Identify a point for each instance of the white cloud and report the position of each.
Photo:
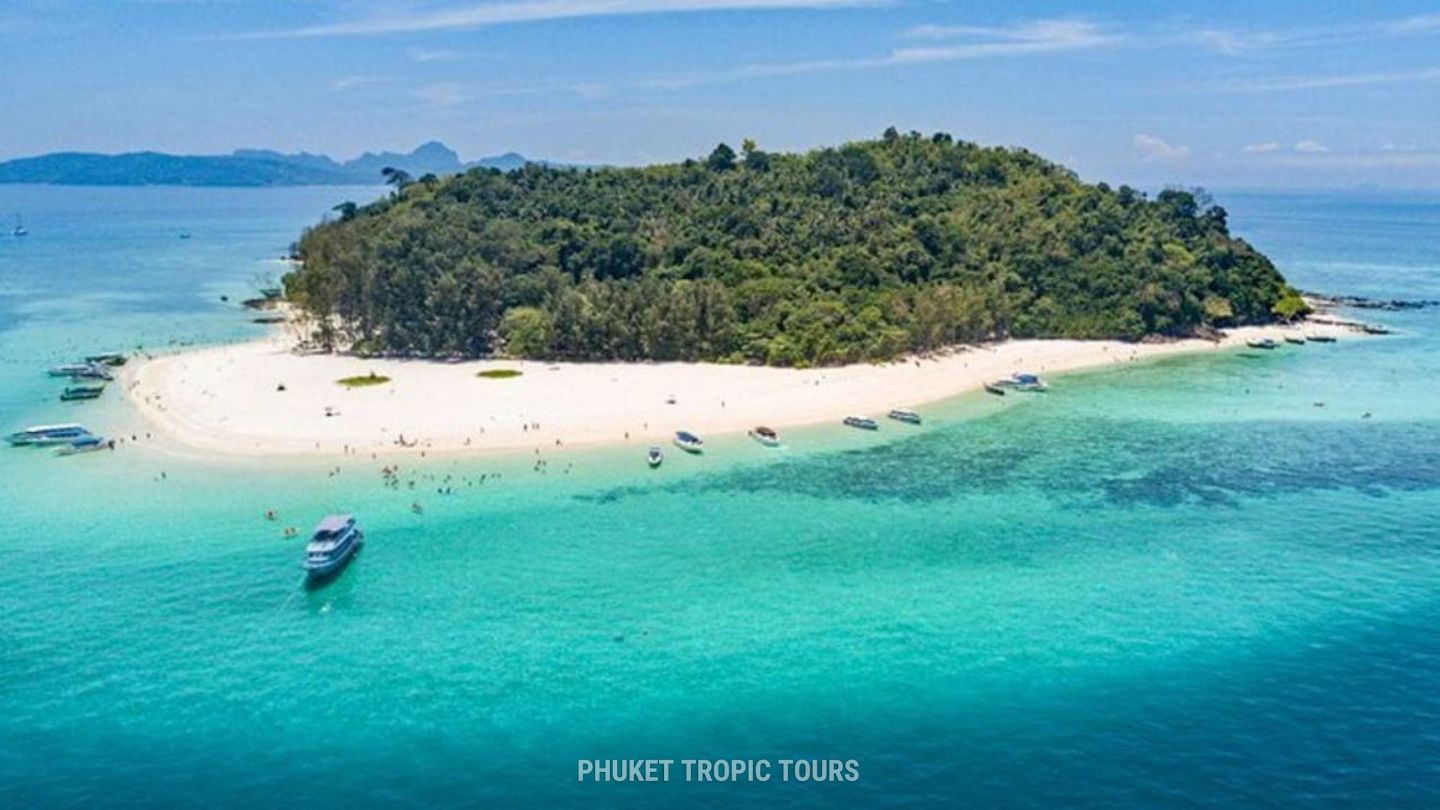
(351, 82)
(1036, 37)
(429, 55)
(1153, 148)
(1261, 148)
(1240, 42)
(523, 11)
(1288, 83)
(443, 94)
(1309, 146)
(1039, 36)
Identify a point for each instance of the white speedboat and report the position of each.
(905, 415)
(689, 442)
(41, 435)
(766, 436)
(654, 457)
(862, 422)
(335, 541)
(82, 371)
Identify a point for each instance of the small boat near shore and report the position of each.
(992, 388)
(1022, 381)
(1321, 338)
(905, 415)
(82, 371)
(861, 422)
(655, 457)
(41, 435)
(86, 444)
(335, 541)
(1375, 329)
(766, 436)
(1262, 343)
(1296, 341)
(81, 392)
(107, 358)
(689, 442)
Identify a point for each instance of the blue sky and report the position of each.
(1221, 93)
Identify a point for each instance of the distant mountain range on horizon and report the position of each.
(243, 167)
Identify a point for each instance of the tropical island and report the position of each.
(859, 253)
(571, 307)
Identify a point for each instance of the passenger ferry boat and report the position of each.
(862, 422)
(40, 435)
(335, 541)
(654, 457)
(905, 415)
(766, 436)
(689, 442)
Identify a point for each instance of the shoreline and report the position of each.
(227, 399)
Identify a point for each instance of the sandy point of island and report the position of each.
(263, 398)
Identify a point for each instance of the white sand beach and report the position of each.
(228, 399)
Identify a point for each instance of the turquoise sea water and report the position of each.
(1180, 583)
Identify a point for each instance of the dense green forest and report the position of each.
(861, 252)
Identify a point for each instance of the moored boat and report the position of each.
(86, 444)
(1295, 340)
(47, 434)
(689, 442)
(1262, 343)
(335, 541)
(1375, 329)
(107, 358)
(905, 415)
(1021, 381)
(862, 422)
(1320, 338)
(82, 371)
(766, 436)
(654, 457)
(76, 392)
(992, 388)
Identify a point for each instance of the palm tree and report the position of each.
(399, 178)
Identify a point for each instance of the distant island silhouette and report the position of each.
(243, 167)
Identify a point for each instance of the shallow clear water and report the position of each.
(1183, 582)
